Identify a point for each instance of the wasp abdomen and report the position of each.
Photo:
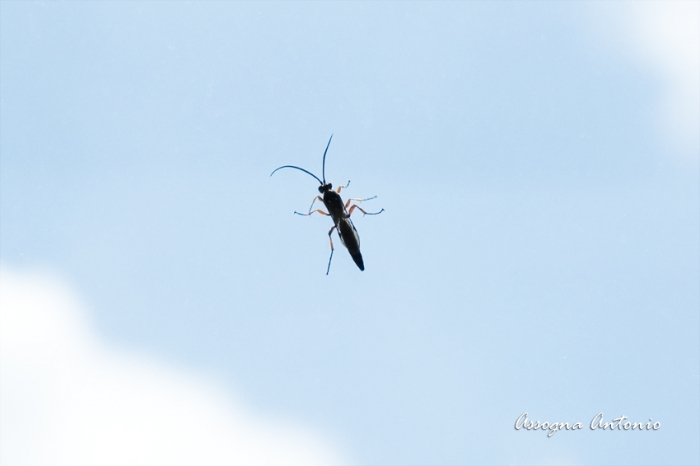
(357, 257)
(351, 240)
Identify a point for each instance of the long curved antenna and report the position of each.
(292, 166)
(324, 159)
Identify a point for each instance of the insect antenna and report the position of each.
(324, 159)
(292, 166)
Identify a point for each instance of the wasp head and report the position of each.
(325, 187)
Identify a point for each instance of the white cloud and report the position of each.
(665, 37)
(67, 398)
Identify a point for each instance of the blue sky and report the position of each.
(538, 164)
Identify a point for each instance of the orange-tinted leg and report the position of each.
(355, 206)
(342, 187)
(347, 203)
(317, 198)
(317, 210)
(332, 249)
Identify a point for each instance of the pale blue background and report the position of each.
(539, 251)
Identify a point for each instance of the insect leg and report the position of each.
(347, 203)
(317, 210)
(317, 198)
(355, 206)
(331, 240)
(343, 187)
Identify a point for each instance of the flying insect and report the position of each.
(338, 211)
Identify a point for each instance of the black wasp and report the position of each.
(338, 211)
